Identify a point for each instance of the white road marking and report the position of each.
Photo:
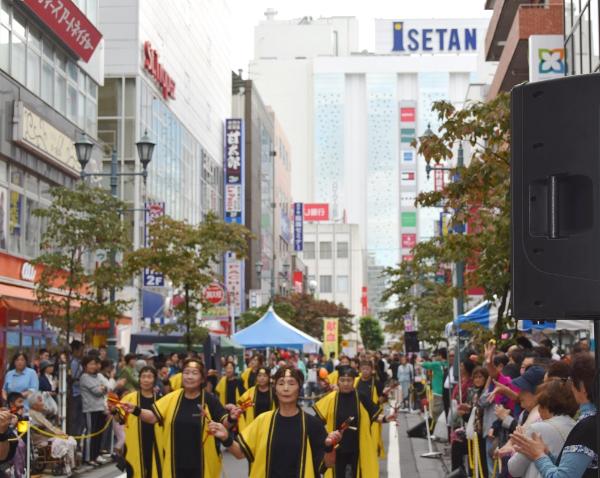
(393, 457)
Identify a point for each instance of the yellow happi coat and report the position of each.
(133, 438)
(333, 377)
(326, 410)
(166, 410)
(249, 415)
(376, 427)
(245, 376)
(175, 381)
(221, 391)
(255, 442)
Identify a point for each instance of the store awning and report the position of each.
(18, 298)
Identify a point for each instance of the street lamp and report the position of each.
(83, 150)
(312, 286)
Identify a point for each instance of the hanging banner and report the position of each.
(298, 227)
(153, 211)
(330, 336)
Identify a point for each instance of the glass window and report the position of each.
(61, 61)
(91, 117)
(5, 13)
(48, 50)
(31, 233)
(16, 176)
(31, 184)
(92, 11)
(72, 99)
(129, 96)
(342, 284)
(72, 71)
(342, 250)
(18, 24)
(33, 71)
(14, 221)
(309, 250)
(325, 284)
(81, 110)
(45, 190)
(35, 38)
(18, 59)
(4, 49)
(60, 93)
(325, 250)
(109, 102)
(47, 82)
(92, 88)
(3, 171)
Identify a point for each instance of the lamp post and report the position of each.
(312, 286)
(273, 154)
(258, 266)
(83, 150)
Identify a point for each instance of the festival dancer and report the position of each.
(249, 375)
(368, 385)
(286, 441)
(356, 455)
(230, 388)
(184, 444)
(257, 399)
(139, 436)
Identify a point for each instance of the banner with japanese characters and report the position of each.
(330, 336)
(153, 210)
(233, 167)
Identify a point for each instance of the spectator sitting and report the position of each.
(62, 445)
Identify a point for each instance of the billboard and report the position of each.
(409, 240)
(153, 210)
(330, 336)
(316, 212)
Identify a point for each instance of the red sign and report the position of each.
(407, 115)
(298, 280)
(438, 180)
(409, 241)
(316, 212)
(158, 72)
(364, 301)
(69, 24)
(407, 257)
(214, 293)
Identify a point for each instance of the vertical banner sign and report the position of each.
(330, 336)
(298, 226)
(233, 168)
(154, 210)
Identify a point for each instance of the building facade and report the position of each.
(49, 78)
(167, 74)
(582, 43)
(363, 111)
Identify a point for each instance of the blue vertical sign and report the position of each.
(153, 210)
(233, 172)
(298, 226)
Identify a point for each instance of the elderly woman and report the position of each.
(579, 456)
(183, 442)
(20, 378)
(62, 445)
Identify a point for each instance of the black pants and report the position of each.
(346, 465)
(459, 451)
(187, 472)
(75, 419)
(94, 421)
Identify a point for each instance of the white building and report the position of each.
(361, 112)
(167, 73)
(334, 257)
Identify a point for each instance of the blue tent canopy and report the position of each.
(272, 331)
(482, 315)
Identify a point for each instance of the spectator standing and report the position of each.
(75, 414)
(93, 394)
(405, 376)
(437, 381)
(394, 364)
(20, 378)
(130, 374)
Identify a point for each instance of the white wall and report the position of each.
(191, 37)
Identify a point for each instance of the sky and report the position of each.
(248, 13)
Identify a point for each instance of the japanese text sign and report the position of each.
(234, 171)
(153, 211)
(316, 212)
(330, 336)
(298, 226)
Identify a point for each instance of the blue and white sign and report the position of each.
(153, 211)
(429, 36)
(298, 226)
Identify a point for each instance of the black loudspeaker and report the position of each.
(555, 198)
(418, 431)
(411, 342)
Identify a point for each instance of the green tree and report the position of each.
(478, 196)
(82, 225)
(187, 255)
(304, 312)
(371, 333)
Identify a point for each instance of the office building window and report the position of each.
(325, 250)
(309, 250)
(581, 36)
(342, 284)
(342, 250)
(325, 286)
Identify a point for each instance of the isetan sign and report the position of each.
(158, 72)
(69, 24)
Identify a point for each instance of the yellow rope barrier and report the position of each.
(78, 437)
(476, 450)
(496, 465)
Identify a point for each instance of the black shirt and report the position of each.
(188, 429)
(262, 403)
(252, 378)
(348, 407)
(286, 446)
(582, 439)
(366, 387)
(231, 386)
(147, 436)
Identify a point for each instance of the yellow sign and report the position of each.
(330, 336)
(39, 136)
